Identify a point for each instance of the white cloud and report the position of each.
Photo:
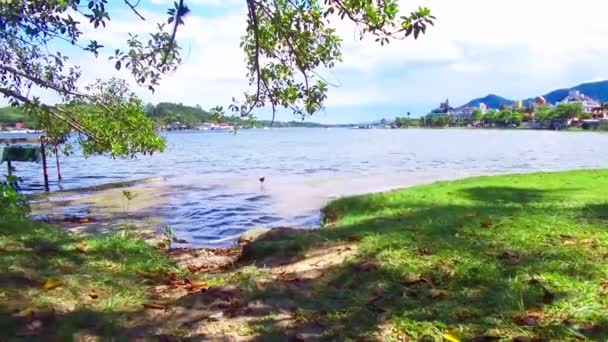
(515, 48)
(212, 71)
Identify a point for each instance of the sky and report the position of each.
(513, 48)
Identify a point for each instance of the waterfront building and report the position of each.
(574, 96)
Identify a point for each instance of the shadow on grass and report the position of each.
(480, 265)
(514, 195)
(53, 284)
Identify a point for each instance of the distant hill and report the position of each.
(11, 115)
(595, 90)
(168, 112)
(293, 123)
(492, 101)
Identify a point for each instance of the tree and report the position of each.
(543, 113)
(286, 42)
(517, 117)
(398, 122)
(476, 115)
(567, 111)
(32, 36)
(490, 117)
(504, 117)
(149, 109)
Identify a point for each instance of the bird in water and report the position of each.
(262, 179)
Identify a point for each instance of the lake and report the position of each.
(210, 180)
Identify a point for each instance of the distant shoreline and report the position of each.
(22, 131)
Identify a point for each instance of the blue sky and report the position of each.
(515, 48)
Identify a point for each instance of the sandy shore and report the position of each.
(104, 209)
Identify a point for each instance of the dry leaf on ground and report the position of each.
(604, 288)
(438, 294)
(154, 306)
(510, 257)
(530, 318)
(422, 251)
(52, 283)
(487, 223)
(450, 337)
(82, 247)
(366, 266)
(416, 281)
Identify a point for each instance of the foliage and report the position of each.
(503, 117)
(167, 113)
(115, 113)
(567, 111)
(490, 117)
(9, 116)
(31, 61)
(433, 120)
(286, 42)
(405, 121)
(517, 117)
(543, 113)
(12, 203)
(563, 111)
(476, 115)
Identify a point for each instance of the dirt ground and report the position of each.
(258, 302)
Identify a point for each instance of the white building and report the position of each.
(575, 96)
(483, 107)
(463, 113)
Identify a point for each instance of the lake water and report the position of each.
(210, 180)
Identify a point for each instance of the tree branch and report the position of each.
(176, 21)
(134, 9)
(41, 82)
(251, 6)
(51, 110)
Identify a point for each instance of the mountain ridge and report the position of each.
(596, 90)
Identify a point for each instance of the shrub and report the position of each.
(12, 202)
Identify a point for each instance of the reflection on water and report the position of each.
(212, 194)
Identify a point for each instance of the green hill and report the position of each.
(167, 112)
(164, 113)
(595, 90)
(11, 115)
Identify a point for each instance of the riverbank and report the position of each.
(512, 257)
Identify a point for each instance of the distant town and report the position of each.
(574, 110)
(560, 109)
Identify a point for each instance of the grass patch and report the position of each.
(516, 257)
(498, 258)
(74, 284)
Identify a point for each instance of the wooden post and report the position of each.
(10, 168)
(57, 161)
(46, 176)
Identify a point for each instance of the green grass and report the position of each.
(108, 266)
(504, 256)
(493, 257)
